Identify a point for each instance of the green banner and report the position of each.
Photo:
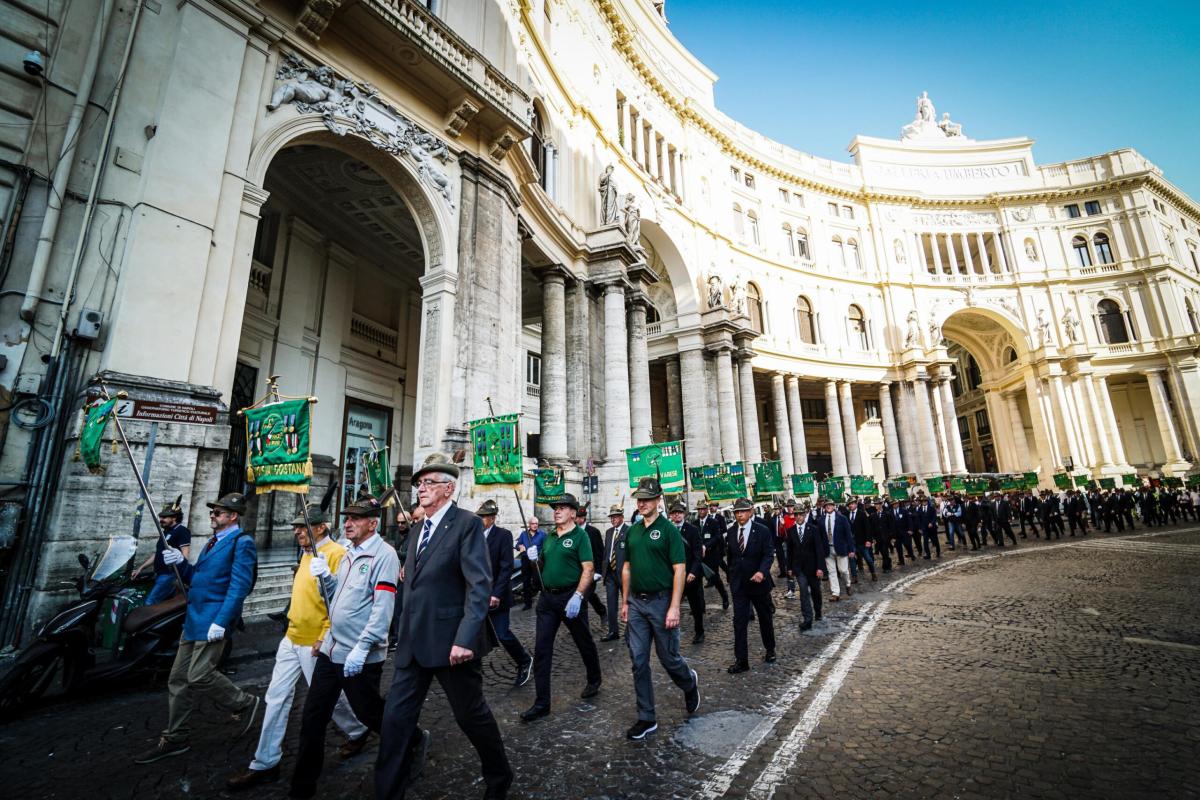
(935, 485)
(375, 465)
(898, 490)
(804, 484)
(699, 482)
(1108, 483)
(834, 489)
(95, 421)
(278, 446)
(1011, 484)
(549, 483)
(1131, 480)
(1082, 480)
(978, 486)
(1030, 480)
(958, 484)
(496, 443)
(863, 485)
(726, 481)
(1194, 480)
(1062, 480)
(663, 461)
(1173, 483)
(768, 477)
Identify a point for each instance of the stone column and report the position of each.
(925, 433)
(1099, 424)
(796, 425)
(674, 407)
(639, 374)
(833, 419)
(737, 393)
(1111, 417)
(935, 241)
(696, 399)
(596, 326)
(1166, 422)
(751, 442)
(891, 441)
(850, 423)
(1085, 428)
(616, 374)
(1020, 443)
(985, 266)
(1058, 406)
(783, 429)
(554, 368)
(731, 446)
(941, 443)
(953, 439)
(579, 372)
(1043, 423)
(716, 447)
(907, 426)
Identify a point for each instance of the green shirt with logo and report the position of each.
(652, 553)
(562, 557)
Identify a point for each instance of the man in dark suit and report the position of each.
(970, 520)
(924, 516)
(693, 588)
(500, 553)
(864, 537)
(896, 521)
(442, 635)
(1002, 513)
(712, 532)
(610, 566)
(806, 562)
(1030, 506)
(1075, 508)
(1052, 514)
(751, 551)
(581, 519)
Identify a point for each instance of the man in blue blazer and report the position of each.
(751, 550)
(500, 553)
(840, 549)
(218, 584)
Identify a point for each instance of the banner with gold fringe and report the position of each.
(278, 446)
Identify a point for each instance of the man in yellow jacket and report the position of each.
(308, 622)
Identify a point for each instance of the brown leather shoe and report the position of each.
(252, 777)
(353, 747)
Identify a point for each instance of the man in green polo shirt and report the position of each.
(653, 581)
(567, 569)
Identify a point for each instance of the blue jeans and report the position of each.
(164, 589)
(648, 620)
(954, 526)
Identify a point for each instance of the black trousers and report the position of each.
(716, 565)
(531, 582)
(973, 533)
(1054, 523)
(814, 590)
(551, 613)
(593, 599)
(904, 541)
(328, 682)
(694, 592)
(1128, 514)
(1001, 530)
(463, 685)
(765, 609)
(1076, 520)
(928, 535)
(1028, 519)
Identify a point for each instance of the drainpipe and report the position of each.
(66, 162)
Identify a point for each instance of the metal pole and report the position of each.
(517, 497)
(149, 462)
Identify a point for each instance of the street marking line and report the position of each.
(785, 757)
(1161, 643)
(719, 783)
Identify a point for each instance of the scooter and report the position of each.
(105, 636)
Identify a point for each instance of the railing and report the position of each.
(533, 390)
(260, 277)
(374, 333)
(1122, 348)
(1099, 269)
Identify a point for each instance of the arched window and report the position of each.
(1010, 356)
(739, 224)
(791, 245)
(1103, 248)
(1082, 255)
(858, 328)
(1111, 322)
(839, 253)
(537, 144)
(652, 314)
(852, 255)
(1191, 313)
(804, 320)
(802, 243)
(974, 377)
(752, 219)
(754, 307)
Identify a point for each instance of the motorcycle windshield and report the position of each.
(120, 550)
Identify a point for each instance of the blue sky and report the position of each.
(1078, 78)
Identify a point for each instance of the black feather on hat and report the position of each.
(173, 509)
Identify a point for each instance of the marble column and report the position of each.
(1020, 443)
(833, 419)
(1099, 425)
(953, 438)
(891, 440)
(850, 424)
(907, 423)
(1058, 406)
(716, 447)
(639, 375)
(697, 397)
(674, 407)
(616, 375)
(596, 325)
(554, 368)
(737, 394)
(796, 425)
(579, 369)
(1166, 421)
(939, 426)
(731, 446)
(1110, 416)
(1081, 418)
(925, 433)
(1043, 436)
(751, 442)
(783, 429)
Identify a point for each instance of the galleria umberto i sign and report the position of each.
(421, 213)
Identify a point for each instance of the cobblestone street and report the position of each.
(1068, 669)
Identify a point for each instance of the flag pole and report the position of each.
(517, 497)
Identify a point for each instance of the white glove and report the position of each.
(573, 605)
(318, 567)
(354, 661)
(531, 552)
(215, 633)
(172, 556)
(596, 577)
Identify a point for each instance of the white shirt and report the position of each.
(487, 531)
(434, 521)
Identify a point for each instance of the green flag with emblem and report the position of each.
(278, 446)
(834, 488)
(898, 490)
(663, 461)
(768, 477)
(496, 448)
(1062, 480)
(726, 481)
(804, 484)
(936, 485)
(375, 465)
(699, 482)
(96, 417)
(863, 485)
(1131, 480)
(550, 484)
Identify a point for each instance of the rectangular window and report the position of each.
(833, 209)
(1092, 207)
(799, 200)
(749, 181)
(812, 409)
(1072, 210)
(265, 238)
(871, 409)
(847, 212)
(981, 422)
(784, 195)
(736, 173)
(964, 429)
(533, 369)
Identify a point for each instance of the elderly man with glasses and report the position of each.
(442, 635)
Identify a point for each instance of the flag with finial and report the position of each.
(96, 417)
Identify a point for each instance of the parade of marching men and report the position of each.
(446, 398)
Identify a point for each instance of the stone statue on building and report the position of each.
(1030, 250)
(737, 296)
(899, 247)
(632, 223)
(305, 87)
(1045, 337)
(925, 124)
(935, 333)
(608, 197)
(949, 128)
(1070, 324)
(913, 337)
(716, 292)
(925, 110)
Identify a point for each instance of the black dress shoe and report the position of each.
(523, 673)
(806, 626)
(738, 666)
(534, 713)
(252, 777)
(769, 657)
(590, 691)
(610, 637)
(698, 639)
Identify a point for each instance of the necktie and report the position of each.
(211, 543)
(612, 554)
(425, 533)
(742, 539)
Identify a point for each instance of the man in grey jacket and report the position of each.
(361, 597)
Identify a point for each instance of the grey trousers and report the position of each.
(647, 621)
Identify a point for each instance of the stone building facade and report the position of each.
(417, 211)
